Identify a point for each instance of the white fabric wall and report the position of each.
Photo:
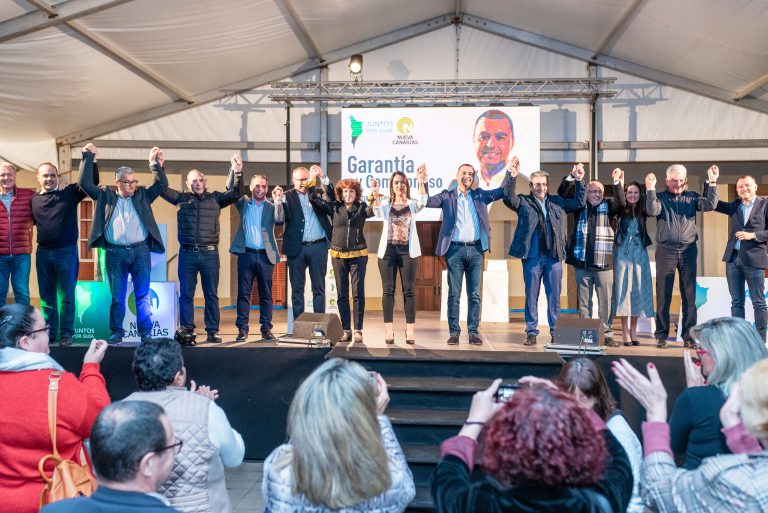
(642, 111)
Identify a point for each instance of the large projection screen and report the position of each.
(378, 141)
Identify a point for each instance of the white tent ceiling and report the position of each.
(79, 69)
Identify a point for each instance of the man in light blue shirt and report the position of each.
(256, 250)
(464, 237)
(746, 253)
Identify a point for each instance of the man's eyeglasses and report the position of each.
(129, 182)
(47, 328)
(176, 447)
(300, 179)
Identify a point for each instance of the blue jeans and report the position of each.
(120, 262)
(206, 262)
(17, 268)
(57, 277)
(462, 260)
(250, 265)
(550, 271)
(737, 275)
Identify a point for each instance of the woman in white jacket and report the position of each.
(399, 246)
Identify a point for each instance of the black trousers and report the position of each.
(669, 260)
(315, 258)
(343, 270)
(398, 257)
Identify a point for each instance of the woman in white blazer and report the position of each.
(399, 247)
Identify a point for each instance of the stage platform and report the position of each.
(431, 334)
(257, 379)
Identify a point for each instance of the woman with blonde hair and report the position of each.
(342, 454)
(727, 482)
(399, 247)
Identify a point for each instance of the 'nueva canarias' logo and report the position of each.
(405, 125)
(154, 302)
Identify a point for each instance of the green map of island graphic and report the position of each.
(357, 129)
(701, 295)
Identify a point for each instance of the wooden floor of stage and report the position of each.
(431, 334)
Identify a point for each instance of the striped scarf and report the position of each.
(603, 246)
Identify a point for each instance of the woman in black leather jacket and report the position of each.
(349, 252)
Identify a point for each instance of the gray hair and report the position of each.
(735, 346)
(8, 165)
(122, 171)
(539, 173)
(677, 169)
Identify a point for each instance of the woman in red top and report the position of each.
(25, 367)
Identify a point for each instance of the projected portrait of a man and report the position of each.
(494, 138)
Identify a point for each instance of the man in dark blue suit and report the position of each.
(539, 241)
(746, 254)
(464, 236)
(306, 238)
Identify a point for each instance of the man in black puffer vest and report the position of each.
(198, 220)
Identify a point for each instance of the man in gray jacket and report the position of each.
(676, 250)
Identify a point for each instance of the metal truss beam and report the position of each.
(49, 16)
(631, 68)
(432, 91)
(206, 145)
(289, 71)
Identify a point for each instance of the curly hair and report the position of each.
(155, 363)
(543, 435)
(348, 183)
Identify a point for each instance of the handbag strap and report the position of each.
(53, 391)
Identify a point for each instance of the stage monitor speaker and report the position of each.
(330, 323)
(573, 331)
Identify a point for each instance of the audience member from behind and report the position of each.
(726, 348)
(25, 371)
(210, 444)
(343, 455)
(587, 383)
(133, 449)
(542, 452)
(727, 482)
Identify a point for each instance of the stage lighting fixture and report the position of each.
(356, 67)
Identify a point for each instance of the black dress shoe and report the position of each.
(115, 340)
(242, 335)
(453, 340)
(530, 340)
(475, 339)
(65, 342)
(213, 338)
(267, 335)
